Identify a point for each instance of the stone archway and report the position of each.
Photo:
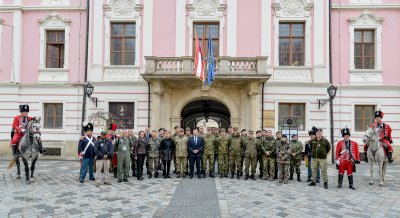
(205, 94)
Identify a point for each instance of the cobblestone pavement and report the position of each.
(56, 192)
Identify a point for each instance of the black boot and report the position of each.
(325, 185)
(212, 175)
(238, 175)
(246, 177)
(390, 157)
(14, 151)
(298, 177)
(115, 172)
(156, 175)
(203, 172)
(340, 181)
(253, 177)
(232, 175)
(261, 175)
(291, 176)
(351, 182)
(312, 184)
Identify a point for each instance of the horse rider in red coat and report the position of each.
(19, 127)
(347, 155)
(385, 135)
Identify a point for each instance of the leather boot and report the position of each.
(246, 177)
(291, 176)
(238, 175)
(232, 175)
(340, 181)
(212, 175)
(351, 182)
(226, 175)
(298, 177)
(14, 151)
(390, 157)
(115, 172)
(253, 177)
(325, 185)
(203, 172)
(156, 175)
(261, 175)
(312, 184)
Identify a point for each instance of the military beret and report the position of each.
(222, 130)
(284, 136)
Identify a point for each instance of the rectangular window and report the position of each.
(125, 112)
(363, 116)
(296, 111)
(55, 41)
(291, 44)
(123, 43)
(364, 49)
(53, 115)
(202, 30)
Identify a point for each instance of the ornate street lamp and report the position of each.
(89, 91)
(331, 93)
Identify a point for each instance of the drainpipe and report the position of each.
(86, 64)
(148, 108)
(331, 81)
(262, 106)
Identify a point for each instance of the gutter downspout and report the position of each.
(86, 64)
(148, 108)
(262, 106)
(331, 81)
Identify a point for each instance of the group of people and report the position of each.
(278, 158)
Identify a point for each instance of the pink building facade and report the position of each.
(272, 63)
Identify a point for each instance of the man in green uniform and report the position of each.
(208, 153)
(235, 153)
(259, 153)
(295, 159)
(320, 148)
(283, 152)
(269, 148)
(223, 146)
(123, 146)
(216, 134)
(153, 154)
(251, 145)
(277, 142)
(181, 153)
(243, 135)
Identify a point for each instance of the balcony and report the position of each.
(235, 70)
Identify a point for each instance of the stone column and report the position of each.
(157, 90)
(254, 112)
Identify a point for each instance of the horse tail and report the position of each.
(11, 164)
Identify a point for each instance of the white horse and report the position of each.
(376, 153)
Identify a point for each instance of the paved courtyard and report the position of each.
(56, 192)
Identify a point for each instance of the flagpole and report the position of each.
(205, 59)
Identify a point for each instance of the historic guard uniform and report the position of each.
(346, 156)
(385, 135)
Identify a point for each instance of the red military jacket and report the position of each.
(386, 130)
(18, 123)
(343, 154)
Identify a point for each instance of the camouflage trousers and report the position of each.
(261, 162)
(223, 164)
(250, 161)
(295, 165)
(153, 164)
(181, 162)
(207, 158)
(283, 171)
(269, 163)
(321, 163)
(235, 163)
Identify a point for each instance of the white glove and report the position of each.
(23, 130)
(337, 162)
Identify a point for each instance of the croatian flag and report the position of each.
(210, 60)
(198, 61)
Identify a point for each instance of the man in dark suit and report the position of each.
(195, 147)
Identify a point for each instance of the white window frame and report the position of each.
(53, 21)
(215, 14)
(116, 13)
(55, 2)
(116, 100)
(42, 110)
(293, 101)
(353, 115)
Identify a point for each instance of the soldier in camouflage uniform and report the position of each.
(216, 134)
(283, 152)
(243, 135)
(208, 153)
(295, 159)
(153, 154)
(181, 153)
(251, 145)
(277, 143)
(176, 133)
(269, 148)
(259, 153)
(235, 153)
(133, 139)
(223, 146)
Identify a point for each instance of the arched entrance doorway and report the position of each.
(205, 113)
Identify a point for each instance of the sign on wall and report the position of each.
(269, 119)
(125, 112)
